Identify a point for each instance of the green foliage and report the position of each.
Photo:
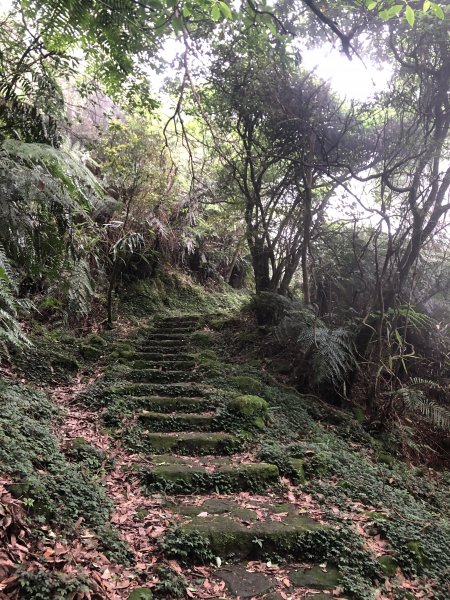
(270, 308)
(344, 548)
(32, 99)
(170, 584)
(172, 292)
(186, 547)
(332, 353)
(95, 461)
(11, 334)
(47, 194)
(329, 353)
(50, 360)
(59, 492)
(274, 453)
(42, 585)
(414, 399)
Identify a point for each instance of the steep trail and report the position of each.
(223, 503)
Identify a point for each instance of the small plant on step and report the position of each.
(191, 547)
(170, 585)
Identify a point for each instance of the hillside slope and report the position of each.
(178, 468)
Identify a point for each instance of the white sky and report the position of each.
(349, 78)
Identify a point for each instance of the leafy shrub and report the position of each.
(270, 308)
(56, 490)
(170, 584)
(186, 547)
(42, 585)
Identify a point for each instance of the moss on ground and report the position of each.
(57, 491)
(172, 292)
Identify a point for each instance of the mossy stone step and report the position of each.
(159, 389)
(174, 365)
(155, 421)
(176, 328)
(178, 320)
(166, 336)
(193, 443)
(160, 376)
(168, 404)
(156, 357)
(245, 584)
(160, 348)
(216, 506)
(317, 578)
(185, 478)
(164, 342)
(229, 538)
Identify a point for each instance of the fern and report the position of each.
(11, 334)
(330, 351)
(62, 168)
(415, 400)
(81, 289)
(42, 191)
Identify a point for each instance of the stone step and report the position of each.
(164, 335)
(164, 342)
(158, 348)
(165, 357)
(192, 443)
(190, 478)
(154, 421)
(178, 320)
(163, 365)
(167, 404)
(229, 537)
(246, 584)
(161, 376)
(186, 328)
(159, 389)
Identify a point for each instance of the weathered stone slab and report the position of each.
(316, 578)
(245, 584)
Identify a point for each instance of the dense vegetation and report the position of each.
(305, 231)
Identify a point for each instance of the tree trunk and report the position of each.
(111, 288)
(307, 220)
(261, 266)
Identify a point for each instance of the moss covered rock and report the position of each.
(229, 538)
(388, 565)
(316, 578)
(248, 406)
(89, 352)
(248, 410)
(156, 421)
(298, 471)
(247, 385)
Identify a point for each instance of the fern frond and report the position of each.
(331, 350)
(81, 288)
(332, 353)
(416, 401)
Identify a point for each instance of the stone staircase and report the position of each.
(180, 418)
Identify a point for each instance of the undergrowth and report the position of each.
(55, 490)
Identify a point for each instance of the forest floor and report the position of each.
(179, 468)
